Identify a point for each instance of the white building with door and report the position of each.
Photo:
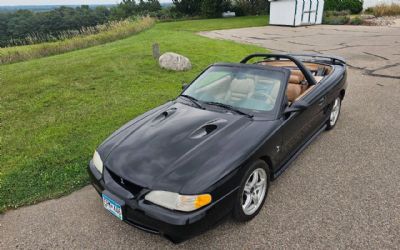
(372, 3)
(296, 12)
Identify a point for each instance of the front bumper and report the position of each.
(174, 225)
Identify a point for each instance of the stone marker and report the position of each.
(173, 61)
(156, 51)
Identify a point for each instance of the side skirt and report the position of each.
(287, 164)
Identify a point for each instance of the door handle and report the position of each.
(321, 101)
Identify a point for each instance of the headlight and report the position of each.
(98, 163)
(179, 202)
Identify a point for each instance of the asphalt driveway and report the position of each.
(342, 192)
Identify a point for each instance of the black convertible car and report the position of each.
(213, 151)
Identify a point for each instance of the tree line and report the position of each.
(18, 28)
(215, 8)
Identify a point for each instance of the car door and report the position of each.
(316, 114)
(298, 127)
(294, 131)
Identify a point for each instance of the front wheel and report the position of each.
(252, 192)
(335, 112)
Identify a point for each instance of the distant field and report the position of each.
(43, 8)
(54, 111)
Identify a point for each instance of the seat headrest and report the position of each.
(243, 86)
(293, 91)
(240, 89)
(294, 79)
(298, 73)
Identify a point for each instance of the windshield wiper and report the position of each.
(229, 107)
(193, 100)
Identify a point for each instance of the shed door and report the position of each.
(309, 11)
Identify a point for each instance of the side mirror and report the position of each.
(296, 106)
(184, 86)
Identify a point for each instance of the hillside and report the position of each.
(54, 111)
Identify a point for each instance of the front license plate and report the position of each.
(112, 206)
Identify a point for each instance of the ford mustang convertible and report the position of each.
(212, 152)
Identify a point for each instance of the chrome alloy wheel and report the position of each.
(254, 191)
(335, 112)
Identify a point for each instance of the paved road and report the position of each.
(342, 192)
(373, 50)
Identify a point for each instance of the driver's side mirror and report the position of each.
(184, 86)
(296, 106)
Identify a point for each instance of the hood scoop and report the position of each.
(164, 115)
(208, 128)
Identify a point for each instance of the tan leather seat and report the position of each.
(240, 89)
(296, 85)
(298, 73)
(293, 91)
(295, 79)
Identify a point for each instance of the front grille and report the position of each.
(131, 187)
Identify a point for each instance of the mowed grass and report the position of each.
(55, 111)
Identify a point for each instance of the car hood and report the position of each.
(179, 148)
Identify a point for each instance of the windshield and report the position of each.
(240, 87)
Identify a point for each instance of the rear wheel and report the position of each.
(335, 112)
(252, 192)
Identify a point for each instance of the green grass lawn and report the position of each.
(54, 111)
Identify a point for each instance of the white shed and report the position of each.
(296, 12)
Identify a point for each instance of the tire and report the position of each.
(334, 113)
(245, 207)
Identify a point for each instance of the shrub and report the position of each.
(214, 8)
(337, 13)
(128, 8)
(356, 21)
(114, 31)
(354, 6)
(369, 10)
(188, 7)
(385, 10)
(250, 7)
(169, 13)
(336, 17)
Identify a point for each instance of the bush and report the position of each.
(188, 7)
(214, 8)
(337, 13)
(369, 10)
(354, 6)
(250, 7)
(356, 21)
(385, 10)
(336, 17)
(169, 13)
(128, 8)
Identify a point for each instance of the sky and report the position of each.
(62, 2)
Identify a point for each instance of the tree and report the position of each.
(128, 8)
(24, 26)
(188, 7)
(354, 6)
(146, 7)
(214, 8)
(3, 29)
(124, 10)
(251, 7)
